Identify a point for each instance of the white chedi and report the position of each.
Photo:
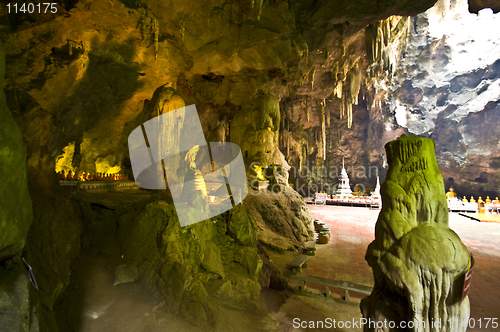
(344, 191)
(376, 193)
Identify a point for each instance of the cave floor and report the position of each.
(352, 229)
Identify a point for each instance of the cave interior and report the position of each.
(243, 109)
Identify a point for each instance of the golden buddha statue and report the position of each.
(472, 200)
(480, 204)
(488, 200)
(451, 193)
(465, 200)
(496, 201)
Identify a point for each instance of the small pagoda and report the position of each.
(376, 193)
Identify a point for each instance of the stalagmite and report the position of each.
(418, 262)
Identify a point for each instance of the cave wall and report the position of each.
(15, 219)
(446, 88)
(15, 203)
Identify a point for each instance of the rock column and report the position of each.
(417, 260)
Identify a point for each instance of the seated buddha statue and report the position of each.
(465, 200)
(472, 200)
(62, 176)
(69, 176)
(451, 194)
(496, 201)
(488, 200)
(480, 200)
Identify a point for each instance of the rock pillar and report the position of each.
(417, 260)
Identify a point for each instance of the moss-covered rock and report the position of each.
(15, 202)
(416, 258)
(241, 226)
(188, 265)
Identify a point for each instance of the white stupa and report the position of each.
(376, 192)
(344, 191)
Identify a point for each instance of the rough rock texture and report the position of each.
(15, 201)
(446, 88)
(283, 218)
(415, 256)
(16, 314)
(194, 266)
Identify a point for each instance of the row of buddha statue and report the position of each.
(480, 200)
(451, 195)
(99, 176)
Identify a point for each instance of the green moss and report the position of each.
(15, 203)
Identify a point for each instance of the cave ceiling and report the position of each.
(83, 79)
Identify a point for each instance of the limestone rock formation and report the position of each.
(192, 267)
(446, 87)
(283, 219)
(415, 256)
(15, 201)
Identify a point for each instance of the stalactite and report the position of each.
(156, 32)
(307, 108)
(327, 116)
(311, 77)
(342, 47)
(354, 84)
(259, 8)
(349, 115)
(338, 90)
(341, 108)
(283, 115)
(322, 121)
(288, 146)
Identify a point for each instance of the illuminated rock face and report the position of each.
(415, 256)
